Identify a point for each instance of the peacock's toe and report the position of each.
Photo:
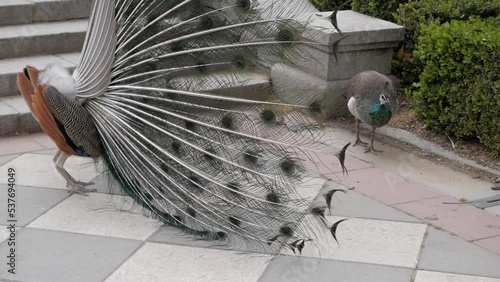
(78, 187)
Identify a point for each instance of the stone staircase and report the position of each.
(36, 33)
(43, 32)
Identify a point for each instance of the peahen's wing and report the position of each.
(183, 134)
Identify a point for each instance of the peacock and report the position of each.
(155, 97)
(372, 100)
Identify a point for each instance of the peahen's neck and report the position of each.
(380, 114)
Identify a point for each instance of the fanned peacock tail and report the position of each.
(176, 132)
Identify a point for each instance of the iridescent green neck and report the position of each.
(380, 114)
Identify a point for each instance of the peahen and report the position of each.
(372, 100)
(155, 95)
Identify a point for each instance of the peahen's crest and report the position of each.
(162, 84)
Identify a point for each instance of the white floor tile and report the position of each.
(370, 241)
(99, 214)
(495, 209)
(4, 233)
(39, 170)
(428, 276)
(161, 262)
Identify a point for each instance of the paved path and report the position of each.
(402, 213)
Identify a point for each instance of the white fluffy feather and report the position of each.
(60, 78)
(352, 108)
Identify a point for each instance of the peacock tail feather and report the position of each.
(160, 81)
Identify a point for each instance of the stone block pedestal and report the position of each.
(366, 43)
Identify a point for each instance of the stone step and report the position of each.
(10, 67)
(15, 117)
(42, 38)
(16, 12)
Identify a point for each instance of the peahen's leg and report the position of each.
(370, 148)
(358, 141)
(73, 185)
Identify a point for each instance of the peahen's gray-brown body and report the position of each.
(372, 100)
(155, 97)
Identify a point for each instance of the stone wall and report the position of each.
(367, 44)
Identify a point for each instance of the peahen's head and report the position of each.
(385, 95)
(383, 99)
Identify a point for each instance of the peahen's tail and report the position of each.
(177, 133)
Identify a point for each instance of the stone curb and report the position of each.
(414, 140)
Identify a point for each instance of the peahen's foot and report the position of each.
(372, 150)
(78, 187)
(359, 142)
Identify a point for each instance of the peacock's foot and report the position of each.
(359, 142)
(78, 187)
(372, 150)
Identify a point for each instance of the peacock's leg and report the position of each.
(358, 141)
(59, 152)
(73, 185)
(370, 148)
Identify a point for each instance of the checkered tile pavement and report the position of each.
(104, 237)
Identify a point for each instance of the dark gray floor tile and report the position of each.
(50, 256)
(6, 159)
(31, 202)
(302, 269)
(447, 253)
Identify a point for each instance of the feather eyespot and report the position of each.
(227, 122)
(316, 107)
(268, 116)
(285, 35)
(288, 167)
(286, 231)
(273, 198)
(244, 4)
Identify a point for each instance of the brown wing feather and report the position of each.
(26, 88)
(33, 76)
(47, 121)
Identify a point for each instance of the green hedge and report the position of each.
(459, 89)
(330, 5)
(382, 9)
(414, 13)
